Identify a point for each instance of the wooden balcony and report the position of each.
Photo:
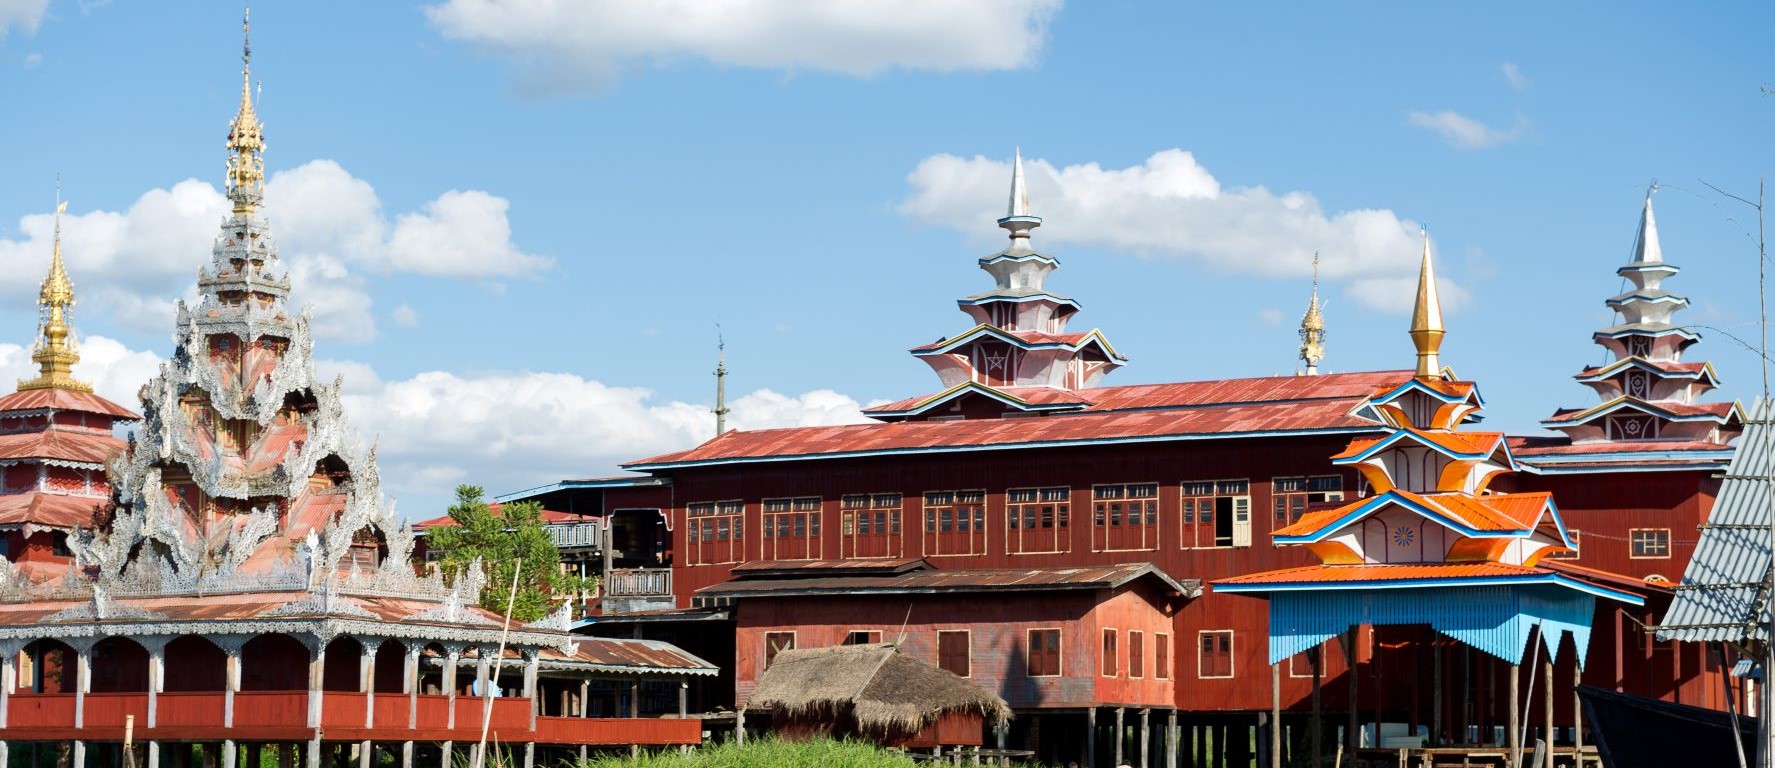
(639, 582)
(283, 716)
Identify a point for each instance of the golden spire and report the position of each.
(1312, 327)
(55, 352)
(1426, 318)
(246, 137)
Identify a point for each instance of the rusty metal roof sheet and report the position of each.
(65, 400)
(962, 580)
(1192, 410)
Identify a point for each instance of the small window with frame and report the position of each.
(1110, 657)
(1649, 543)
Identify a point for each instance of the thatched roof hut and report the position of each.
(873, 690)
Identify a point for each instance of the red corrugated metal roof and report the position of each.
(88, 447)
(1557, 446)
(1458, 442)
(965, 580)
(1337, 574)
(47, 509)
(64, 400)
(1231, 407)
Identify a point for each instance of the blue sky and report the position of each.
(520, 225)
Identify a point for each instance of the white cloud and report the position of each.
(329, 226)
(1514, 76)
(33, 59)
(115, 371)
(586, 45)
(1172, 207)
(508, 431)
(405, 316)
(1270, 316)
(22, 14)
(1462, 132)
(460, 234)
(1397, 294)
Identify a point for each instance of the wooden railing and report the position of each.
(639, 582)
(587, 534)
(618, 730)
(282, 714)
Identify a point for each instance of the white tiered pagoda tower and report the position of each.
(1019, 353)
(1651, 399)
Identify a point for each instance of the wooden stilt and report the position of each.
(1275, 716)
(1547, 704)
(1119, 738)
(1316, 728)
(1352, 736)
(1512, 727)
(1171, 736)
(1436, 700)
(1090, 737)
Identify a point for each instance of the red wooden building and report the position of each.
(1024, 462)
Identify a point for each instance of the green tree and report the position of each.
(500, 538)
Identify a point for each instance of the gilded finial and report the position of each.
(1312, 327)
(55, 351)
(1426, 318)
(246, 137)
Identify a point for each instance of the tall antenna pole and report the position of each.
(720, 382)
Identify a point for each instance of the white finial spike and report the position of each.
(1017, 218)
(1019, 193)
(1647, 250)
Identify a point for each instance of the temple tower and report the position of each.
(1648, 392)
(58, 436)
(1020, 337)
(245, 464)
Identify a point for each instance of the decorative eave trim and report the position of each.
(1387, 442)
(315, 626)
(973, 387)
(1093, 336)
(1034, 444)
(1618, 332)
(1644, 406)
(1595, 590)
(1608, 371)
(1374, 503)
(991, 298)
(1028, 256)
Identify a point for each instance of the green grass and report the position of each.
(775, 753)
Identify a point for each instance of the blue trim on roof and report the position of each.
(996, 298)
(639, 481)
(1034, 444)
(1595, 590)
(1375, 502)
(1389, 440)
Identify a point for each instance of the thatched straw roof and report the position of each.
(884, 691)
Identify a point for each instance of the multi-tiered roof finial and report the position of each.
(1312, 327)
(246, 137)
(1649, 394)
(1426, 318)
(55, 352)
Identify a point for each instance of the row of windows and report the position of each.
(1042, 652)
(1124, 517)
